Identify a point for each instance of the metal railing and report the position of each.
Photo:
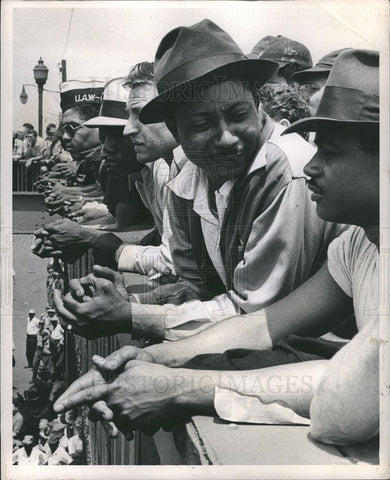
(100, 450)
(23, 178)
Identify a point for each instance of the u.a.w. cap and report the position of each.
(76, 92)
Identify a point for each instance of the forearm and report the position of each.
(345, 408)
(245, 331)
(291, 386)
(174, 322)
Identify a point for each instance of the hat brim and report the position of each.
(302, 74)
(314, 124)
(252, 69)
(105, 122)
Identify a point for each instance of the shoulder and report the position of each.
(350, 245)
(292, 150)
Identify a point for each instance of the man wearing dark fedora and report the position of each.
(339, 394)
(241, 202)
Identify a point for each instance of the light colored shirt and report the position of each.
(17, 422)
(37, 457)
(150, 260)
(57, 333)
(59, 457)
(152, 189)
(353, 264)
(286, 239)
(32, 326)
(75, 445)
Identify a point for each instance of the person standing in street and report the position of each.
(31, 337)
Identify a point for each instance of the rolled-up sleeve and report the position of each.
(173, 322)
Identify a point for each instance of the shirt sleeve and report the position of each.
(173, 322)
(235, 406)
(339, 260)
(287, 244)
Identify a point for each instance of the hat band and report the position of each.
(114, 109)
(195, 69)
(74, 98)
(347, 104)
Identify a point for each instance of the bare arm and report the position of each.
(312, 309)
(345, 407)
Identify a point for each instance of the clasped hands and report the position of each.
(128, 392)
(96, 305)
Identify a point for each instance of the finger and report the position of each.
(104, 272)
(76, 288)
(117, 359)
(100, 411)
(84, 397)
(61, 310)
(41, 232)
(110, 429)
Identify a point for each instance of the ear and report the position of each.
(284, 122)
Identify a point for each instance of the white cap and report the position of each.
(113, 110)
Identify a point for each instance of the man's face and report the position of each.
(43, 423)
(344, 178)
(315, 101)
(51, 133)
(312, 84)
(117, 148)
(220, 133)
(31, 316)
(55, 437)
(31, 139)
(77, 138)
(21, 133)
(152, 141)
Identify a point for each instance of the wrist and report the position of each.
(194, 390)
(125, 323)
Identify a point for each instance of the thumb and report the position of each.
(104, 272)
(117, 359)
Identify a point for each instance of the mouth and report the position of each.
(317, 194)
(315, 188)
(137, 143)
(231, 156)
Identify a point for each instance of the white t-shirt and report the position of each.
(37, 457)
(60, 457)
(353, 264)
(32, 326)
(75, 444)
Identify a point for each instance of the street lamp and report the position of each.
(40, 75)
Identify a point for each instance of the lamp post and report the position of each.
(40, 75)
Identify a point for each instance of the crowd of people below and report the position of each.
(257, 178)
(40, 436)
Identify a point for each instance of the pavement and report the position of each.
(29, 287)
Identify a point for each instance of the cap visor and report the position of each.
(254, 69)
(105, 122)
(313, 124)
(302, 74)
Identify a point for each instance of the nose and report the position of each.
(313, 168)
(66, 137)
(227, 139)
(131, 127)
